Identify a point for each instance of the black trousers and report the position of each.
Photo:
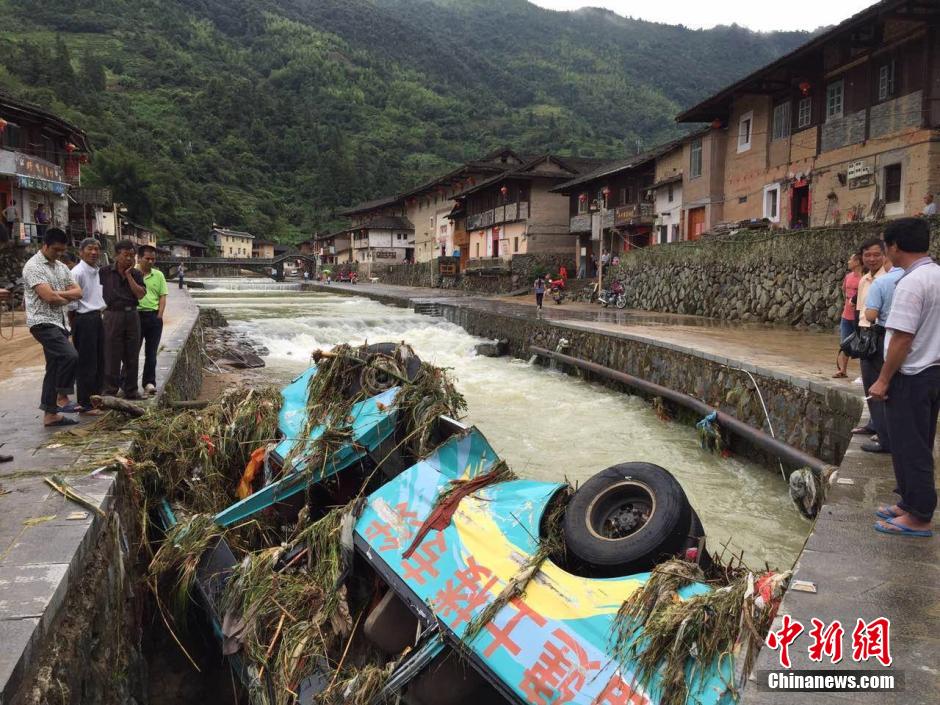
(870, 370)
(122, 346)
(61, 358)
(180, 282)
(88, 335)
(151, 328)
(912, 406)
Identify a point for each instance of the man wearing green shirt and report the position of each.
(150, 309)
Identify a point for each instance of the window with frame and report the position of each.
(886, 81)
(695, 159)
(804, 114)
(623, 196)
(892, 178)
(781, 127)
(745, 130)
(772, 202)
(669, 193)
(835, 100)
(12, 136)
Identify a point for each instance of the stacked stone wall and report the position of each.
(522, 271)
(792, 277)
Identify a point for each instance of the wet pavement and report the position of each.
(855, 572)
(45, 538)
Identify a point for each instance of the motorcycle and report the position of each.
(615, 294)
(557, 290)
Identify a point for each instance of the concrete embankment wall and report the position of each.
(91, 651)
(814, 418)
(792, 277)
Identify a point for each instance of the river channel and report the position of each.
(547, 425)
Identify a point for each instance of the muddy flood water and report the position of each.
(547, 425)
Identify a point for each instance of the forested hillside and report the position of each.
(267, 115)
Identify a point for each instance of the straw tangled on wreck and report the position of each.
(285, 608)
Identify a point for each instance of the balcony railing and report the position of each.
(501, 214)
(477, 264)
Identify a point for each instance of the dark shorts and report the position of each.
(846, 328)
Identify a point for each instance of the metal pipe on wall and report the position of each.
(760, 439)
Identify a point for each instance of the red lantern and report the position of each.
(605, 191)
(503, 190)
(716, 124)
(804, 87)
(582, 197)
(3, 124)
(70, 148)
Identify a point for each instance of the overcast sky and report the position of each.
(762, 16)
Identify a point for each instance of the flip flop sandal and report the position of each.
(903, 530)
(62, 422)
(859, 430)
(71, 408)
(883, 513)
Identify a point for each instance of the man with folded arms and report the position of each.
(48, 290)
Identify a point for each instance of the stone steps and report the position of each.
(428, 308)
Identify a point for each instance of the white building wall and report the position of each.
(669, 213)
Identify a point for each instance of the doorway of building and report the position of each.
(495, 242)
(696, 223)
(799, 205)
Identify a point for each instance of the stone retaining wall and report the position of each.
(521, 273)
(791, 277)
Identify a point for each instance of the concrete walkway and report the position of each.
(856, 572)
(44, 538)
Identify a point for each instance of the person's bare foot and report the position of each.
(57, 420)
(893, 509)
(908, 521)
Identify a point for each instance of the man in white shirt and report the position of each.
(87, 326)
(10, 218)
(930, 208)
(909, 382)
(48, 290)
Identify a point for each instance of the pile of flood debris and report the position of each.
(287, 611)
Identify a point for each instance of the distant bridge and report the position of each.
(271, 267)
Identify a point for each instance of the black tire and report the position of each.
(412, 368)
(627, 518)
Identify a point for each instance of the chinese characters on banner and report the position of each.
(870, 640)
(557, 666)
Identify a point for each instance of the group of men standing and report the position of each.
(92, 322)
(899, 300)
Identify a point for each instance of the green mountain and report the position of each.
(268, 115)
